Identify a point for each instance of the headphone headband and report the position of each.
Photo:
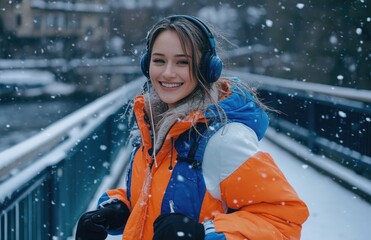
(201, 25)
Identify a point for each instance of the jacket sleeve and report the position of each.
(118, 193)
(260, 202)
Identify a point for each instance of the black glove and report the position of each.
(94, 225)
(177, 226)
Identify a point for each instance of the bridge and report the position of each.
(50, 179)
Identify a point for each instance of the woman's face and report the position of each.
(169, 69)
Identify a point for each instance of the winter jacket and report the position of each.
(236, 185)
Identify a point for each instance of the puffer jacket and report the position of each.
(238, 187)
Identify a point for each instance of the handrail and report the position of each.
(49, 179)
(348, 93)
(16, 158)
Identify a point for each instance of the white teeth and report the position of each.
(171, 85)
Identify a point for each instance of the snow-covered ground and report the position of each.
(335, 213)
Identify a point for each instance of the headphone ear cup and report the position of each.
(211, 67)
(144, 64)
(204, 65)
(215, 69)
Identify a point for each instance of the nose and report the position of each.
(169, 71)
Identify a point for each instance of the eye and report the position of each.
(183, 62)
(158, 60)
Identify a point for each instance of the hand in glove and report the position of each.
(93, 225)
(177, 226)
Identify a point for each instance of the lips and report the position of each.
(171, 85)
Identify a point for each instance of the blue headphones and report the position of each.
(210, 65)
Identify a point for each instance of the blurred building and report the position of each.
(57, 27)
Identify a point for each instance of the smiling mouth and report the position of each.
(171, 85)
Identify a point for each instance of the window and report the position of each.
(37, 23)
(18, 20)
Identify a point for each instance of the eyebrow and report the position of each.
(177, 55)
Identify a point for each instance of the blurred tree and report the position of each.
(326, 42)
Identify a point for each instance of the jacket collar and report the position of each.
(173, 131)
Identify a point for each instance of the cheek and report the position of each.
(193, 80)
(186, 74)
(194, 83)
(152, 72)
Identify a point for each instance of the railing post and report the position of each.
(311, 127)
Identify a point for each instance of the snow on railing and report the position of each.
(8, 64)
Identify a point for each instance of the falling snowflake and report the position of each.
(342, 114)
(300, 5)
(269, 23)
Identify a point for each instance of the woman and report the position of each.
(196, 169)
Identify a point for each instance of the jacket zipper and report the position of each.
(171, 153)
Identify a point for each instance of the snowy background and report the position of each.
(309, 41)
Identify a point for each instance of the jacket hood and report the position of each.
(242, 107)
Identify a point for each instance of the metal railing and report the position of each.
(331, 121)
(47, 181)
